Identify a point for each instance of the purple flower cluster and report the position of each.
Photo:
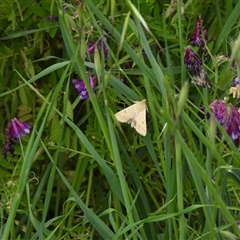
(194, 63)
(81, 88)
(100, 45)
(192, 60)
(199, 36)
(228, 117)
(14, 130)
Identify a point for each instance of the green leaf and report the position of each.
(232, 19)
(67, 137)
(69, 111)
(55, 129)
(234, 173)
(23, 96)
(28, 66)
(14, 104)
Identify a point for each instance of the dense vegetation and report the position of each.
(69, 169)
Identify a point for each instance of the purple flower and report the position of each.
(200, 34)
(100, 45)
(91, 47)
(14, 130)
(195, 38)
(192, 61)
(228, 117)
(219, 108)
(235, 82)
(81, 88)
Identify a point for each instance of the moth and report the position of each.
(135, 115)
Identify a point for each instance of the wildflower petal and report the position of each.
(81, 88)
(199, 35)
(101, 44)
(228, 117)
(195, 39)
(20, 128)
(191, 59)
(14, 130)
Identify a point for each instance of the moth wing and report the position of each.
(126, 115)
(134, 115)
(141, 125)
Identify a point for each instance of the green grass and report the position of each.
(82, 175)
